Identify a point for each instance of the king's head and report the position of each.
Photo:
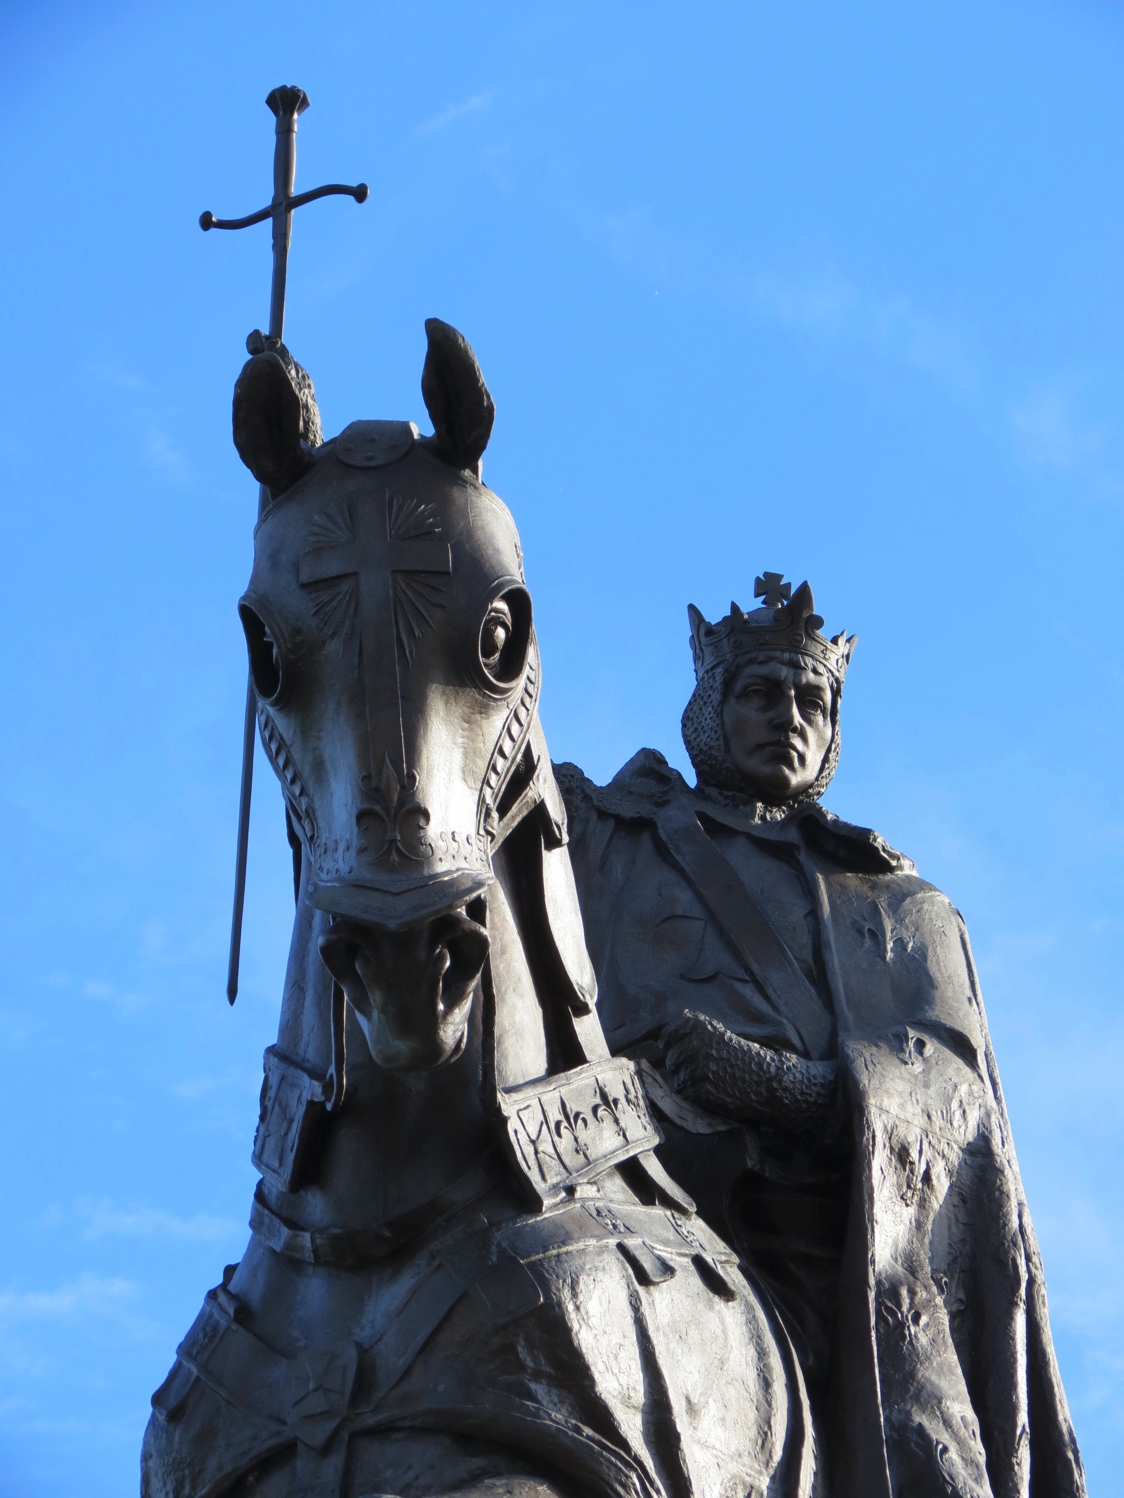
(764, 717)
(785, 623)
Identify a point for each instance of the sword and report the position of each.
(286, 103)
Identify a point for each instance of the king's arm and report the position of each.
(642, 924)
(751, 1083)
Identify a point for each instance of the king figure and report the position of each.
(806, 1015)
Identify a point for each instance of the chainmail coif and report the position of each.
(705, 738)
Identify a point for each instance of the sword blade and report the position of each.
(249, 733)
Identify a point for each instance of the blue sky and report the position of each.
(829, 290)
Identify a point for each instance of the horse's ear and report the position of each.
(456, 397)
(267, 423)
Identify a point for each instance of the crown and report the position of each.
(785, 621)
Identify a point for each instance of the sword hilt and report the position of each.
(286, 103)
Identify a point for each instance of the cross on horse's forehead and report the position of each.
(391, 552)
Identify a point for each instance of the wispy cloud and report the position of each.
(124, 1002)
(22, 1415)
(103, 1220)
(1038, 417)
(821, 301)
(145, 423)
(39, 1329)
(827, 302)
(1052, 432)
(455, 112)
(89, 1294)
(163, 454)
(121, 379)
(200, 1087)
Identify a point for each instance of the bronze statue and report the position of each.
(467, 1270)
(806, 1015)
(471, 1267)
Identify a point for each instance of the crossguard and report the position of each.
(334, 189)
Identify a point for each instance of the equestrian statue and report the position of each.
(473, 1267)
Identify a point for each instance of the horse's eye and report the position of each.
(494, 635)
(504, 640)
(265, 654)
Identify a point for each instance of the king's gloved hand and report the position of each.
(739, 1079)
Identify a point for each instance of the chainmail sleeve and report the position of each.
(751, 1082)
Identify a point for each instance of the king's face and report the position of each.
(777, 723)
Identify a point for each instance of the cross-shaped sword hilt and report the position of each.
(286, 103)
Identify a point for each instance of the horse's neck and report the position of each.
(400, 1137)
(403, 1137)
(515, 1037)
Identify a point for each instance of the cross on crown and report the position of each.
(773, 589)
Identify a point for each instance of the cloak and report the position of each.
(940, 1373)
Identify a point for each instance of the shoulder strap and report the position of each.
(791, 997)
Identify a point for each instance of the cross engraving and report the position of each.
(393, 573)
(773, 589)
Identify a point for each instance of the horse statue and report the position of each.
(467, 1271)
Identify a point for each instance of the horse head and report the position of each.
(392, 649)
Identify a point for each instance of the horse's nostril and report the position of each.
(467, 948)
(467, 956)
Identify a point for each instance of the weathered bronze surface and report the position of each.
(806, 1015)
(468, 1271)
(472, 1266)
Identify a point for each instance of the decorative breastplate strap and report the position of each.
(568, 1129)
(789, 999)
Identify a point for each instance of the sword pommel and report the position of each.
(287, 102)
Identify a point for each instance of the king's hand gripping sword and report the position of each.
(286, 103)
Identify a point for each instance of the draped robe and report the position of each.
(898, 1246)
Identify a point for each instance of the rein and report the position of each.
(342, 1248)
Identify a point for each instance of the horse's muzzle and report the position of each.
(411, 988)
